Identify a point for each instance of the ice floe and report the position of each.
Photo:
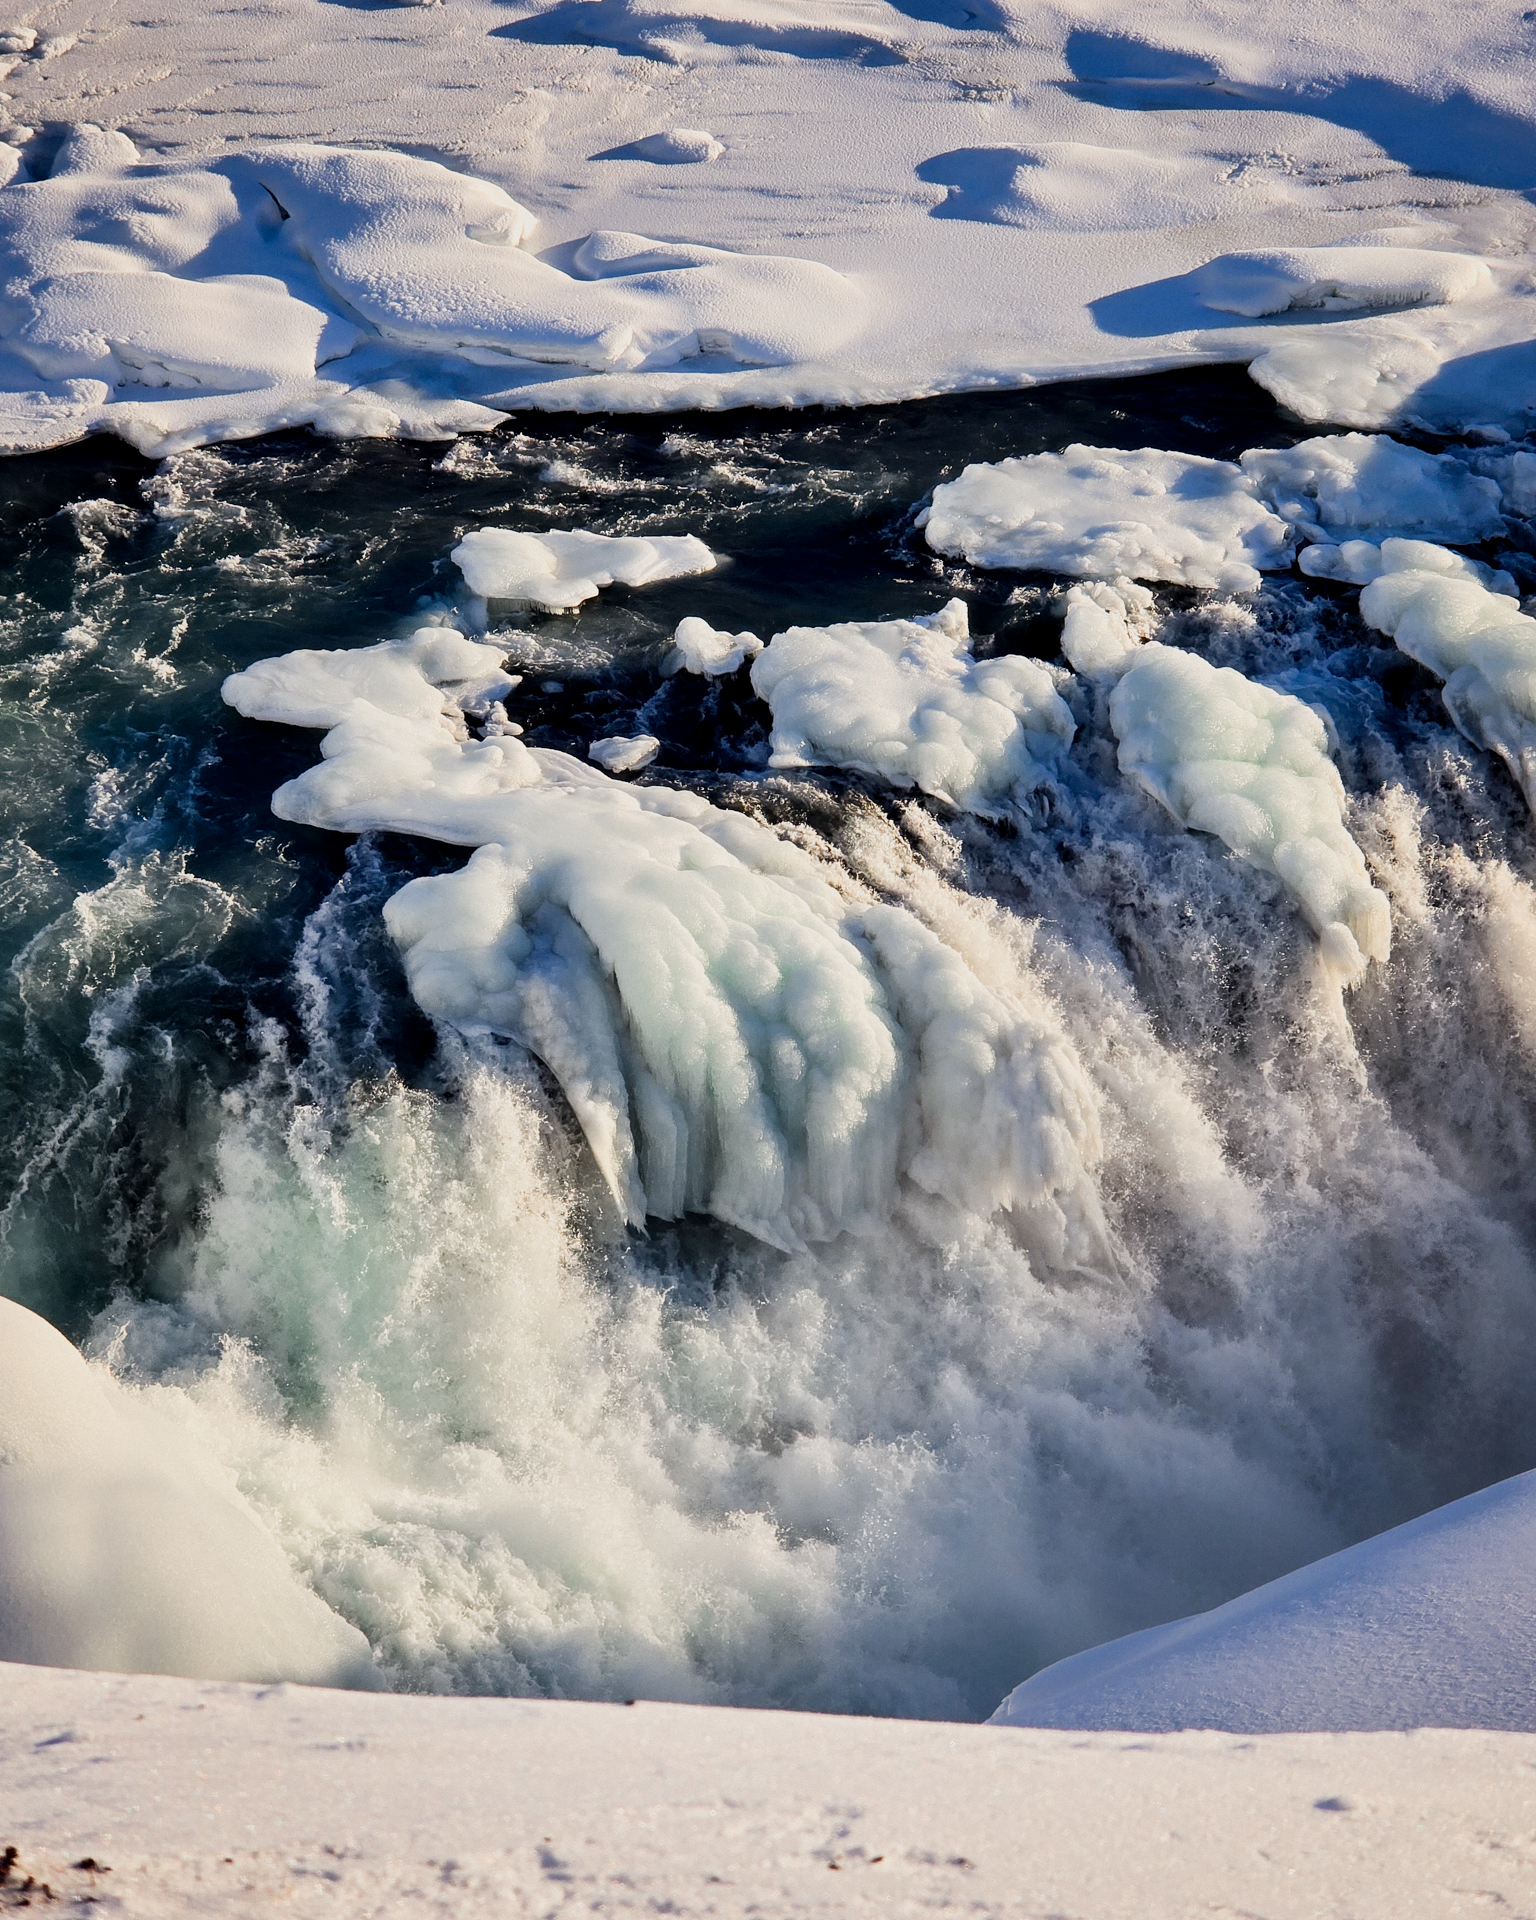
(122, 1547)
(697, 647)
(905, 700)
(1354, 481)
(1249, 764)
(1441, 612)
(1100, 511)
(734, 1034)
(560, 570)
(1339, 278)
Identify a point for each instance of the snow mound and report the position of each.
(903, 699)
(1279, 279)
(624, 752)
(1065, 186)
(700, 648)
(1440, 612)
(733, 1034)
(1101, 512)
(1325, 486)
(560, 570)
(1227, 756)
(1428, 1625)
(121, 1549)
(679, 146)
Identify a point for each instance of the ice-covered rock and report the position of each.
(1358, 481)
(1101, 512)
(1249, 764)
(624, 752)
(560, 570)
(734, 1034)
(1424, 1626)
(905, 700)
(1274, 280)
(697, 647)
(1106, 621)
(679, 146)
(122, 1548)
(1358, 562)
(1441, 613)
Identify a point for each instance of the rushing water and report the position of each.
(372, 1270)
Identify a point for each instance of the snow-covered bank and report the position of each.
(188, 1798)
(751, 204)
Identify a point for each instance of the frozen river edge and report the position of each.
(188, 1797)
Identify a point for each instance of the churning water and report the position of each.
(371, 1268)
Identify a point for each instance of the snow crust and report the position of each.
(1423, 1626)
(123, 1546)
(1442, 612)
(1150, 515)
(560, 570)
(904, 699)
(1338, 278)
(734, 1035)
(1250, 764)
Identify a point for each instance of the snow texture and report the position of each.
(1424, 1626)
(734, 1036)
(1101, 512)
(697, 647)
(904, 699)
(1442, 614)
(560, 570)
(1338, 278)
(1228, 756)
(123, 1547)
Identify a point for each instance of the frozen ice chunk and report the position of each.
(1477, 640)
(700, 648)
(122, 1548)
(560, 570)
(1273, 280)
(1360, 561)
(733, 1034)
(679, 146)
(1105, 624)
(904, 699)
(1227, 756)
(1101, 512)
(434, 672)
(624, 752)
(1338, 482)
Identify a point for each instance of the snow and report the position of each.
(560, 570)
(1342, 482)
(1476, 639)
(624, 752)
(1338, 278)
(734, 1035)
(903, 699)
(123, 1547)
(769, 204)
(360, 1804)
(1099, 511)
(1249, 764)
(1424, 1626)
(700, 648)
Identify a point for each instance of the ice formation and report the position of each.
(1337, 483)
(697, 647)
(734, 1035)
(1278, 279)
(905, 700)
(560, 570)
(1424, 1626)
(123, 1547)
(624, 752)
(1228, 756)
(1442, 613)
(1101, 512)
(1106, 621)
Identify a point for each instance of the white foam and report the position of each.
(1249, 764)
(1477, 640)
(904, 699)
(122, 1546)
(733, 1034)
(700, 648)
(1423, 1626)
(1276, 280)
(1097, 511)
(560, 570)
